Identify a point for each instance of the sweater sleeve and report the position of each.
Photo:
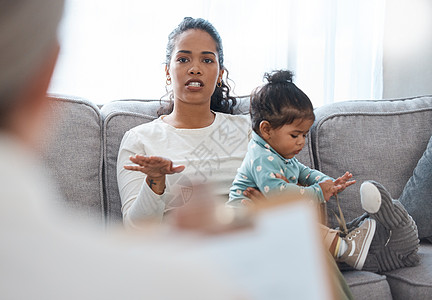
(139, 202)
(308, 176)
(264, 170)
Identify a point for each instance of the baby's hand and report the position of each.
(344, 181)
(329, 188)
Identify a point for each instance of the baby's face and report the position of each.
(289, 139)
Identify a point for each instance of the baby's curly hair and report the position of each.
(279, 102)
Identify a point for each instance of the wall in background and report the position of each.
(407, 48)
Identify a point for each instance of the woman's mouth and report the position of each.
(194, 83)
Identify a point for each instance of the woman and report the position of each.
(209, 144)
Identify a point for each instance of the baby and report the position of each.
(281, 118)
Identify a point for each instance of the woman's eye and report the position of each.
(294, 136)
(208, 60)
(182, 59)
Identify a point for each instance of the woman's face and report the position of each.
(194, 67)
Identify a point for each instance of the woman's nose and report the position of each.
(195, 70)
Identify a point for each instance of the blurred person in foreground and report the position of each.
(42, 257)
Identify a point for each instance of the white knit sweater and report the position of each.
(211, 155)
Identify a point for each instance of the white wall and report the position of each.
(408, 48)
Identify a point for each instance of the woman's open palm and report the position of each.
(153, 166)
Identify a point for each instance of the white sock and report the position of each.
(343, 246)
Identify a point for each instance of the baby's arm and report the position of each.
(329, 186)
(269, 181)
(308, 176)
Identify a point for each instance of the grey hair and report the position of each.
(28, 35)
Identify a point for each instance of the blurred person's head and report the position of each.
(28, 53)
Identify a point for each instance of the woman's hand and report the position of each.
(153, 166)
(156, 168)
(254, 195)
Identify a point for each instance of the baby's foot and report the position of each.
(376, 200)
(358, 242)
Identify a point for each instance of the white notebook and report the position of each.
(282, 257)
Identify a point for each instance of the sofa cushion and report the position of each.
(120, 116)
(415, 282)
(417, 194)
(375, 140)
(73, 154)
(367, 285)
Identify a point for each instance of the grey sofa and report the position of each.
(378, 140)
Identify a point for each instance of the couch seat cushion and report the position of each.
(415, 282)
(367, 285)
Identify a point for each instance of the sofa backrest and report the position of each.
(375, 140)
(119, 117)
(73, 154)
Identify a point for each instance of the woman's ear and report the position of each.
(221, 72)
(167, 70)
(265, 130)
